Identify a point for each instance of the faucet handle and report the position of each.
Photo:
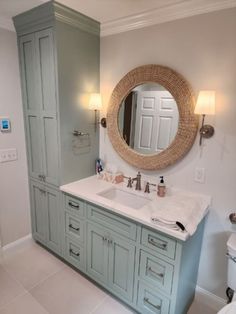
(130, 181)
(147, 187)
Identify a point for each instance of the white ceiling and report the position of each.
(121, 15)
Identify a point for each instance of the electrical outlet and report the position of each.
(8, 155)
(199, 175)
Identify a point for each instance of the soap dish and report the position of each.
(232, 218)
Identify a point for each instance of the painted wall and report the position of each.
(14, 196)
(203, 50)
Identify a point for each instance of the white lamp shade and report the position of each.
(95, 101)
(205, 102)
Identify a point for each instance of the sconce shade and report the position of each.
(205, 102)
(95, 101)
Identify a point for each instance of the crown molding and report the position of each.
(165, 14)
(6, 24)
(152, 17)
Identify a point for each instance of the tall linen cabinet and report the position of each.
(59, 65)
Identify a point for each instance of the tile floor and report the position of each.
(33, 281)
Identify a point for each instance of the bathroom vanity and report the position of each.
(151, 268)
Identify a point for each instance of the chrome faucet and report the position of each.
(138, 181)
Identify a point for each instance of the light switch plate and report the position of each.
(8, 155)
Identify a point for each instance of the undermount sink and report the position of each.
(125, 198)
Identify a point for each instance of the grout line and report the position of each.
(44, 279)
(20, 296)
(99, 304)
(13, 300)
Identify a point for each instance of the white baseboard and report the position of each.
(17, 242)
(212, 300)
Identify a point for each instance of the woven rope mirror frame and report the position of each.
(188, 121)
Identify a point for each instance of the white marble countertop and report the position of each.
(89, 188)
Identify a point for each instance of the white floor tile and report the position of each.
(9, 288)
(30, 264)
(67, 292)
(24, 304)
(111, 306)
(198, 308)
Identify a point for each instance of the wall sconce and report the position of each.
(205, 105)
(95, 103)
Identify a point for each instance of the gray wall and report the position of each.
(14, 197)
(203, 49)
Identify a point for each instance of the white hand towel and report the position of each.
(185, 209)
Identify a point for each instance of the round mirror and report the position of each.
(148, 118)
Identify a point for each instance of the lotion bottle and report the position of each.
(161, 188)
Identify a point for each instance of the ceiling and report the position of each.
(121, 15)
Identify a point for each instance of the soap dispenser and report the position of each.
(161, 188)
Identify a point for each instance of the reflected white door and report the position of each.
(156, 121)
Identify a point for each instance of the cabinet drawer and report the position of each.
(74, 254)
(158, 243)
(150, 302)
(111, 221)
(156, 271)
(74, 227)
(74, 205)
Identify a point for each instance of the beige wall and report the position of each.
(14, 197)
(203, 49)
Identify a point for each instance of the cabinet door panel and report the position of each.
(97, 262)
(46, 69)
(53, 220)
(38, 212)
(34, 145)
(121, 267)
(28, 72)
(50, 144)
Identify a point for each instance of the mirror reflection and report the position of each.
(148, 118)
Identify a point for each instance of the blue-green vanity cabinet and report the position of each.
(59, 54)
(151, 271)
(45, 214)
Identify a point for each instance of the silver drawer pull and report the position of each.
(161, 246)
(161, 275)
(73, 205)
(146, 300)
(73, 253)
(72, 227)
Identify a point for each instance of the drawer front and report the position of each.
(74, 205)
(74, 227)
(150, 302)
(113, 222)
(155, 271)
(74, 254)
(158, 243)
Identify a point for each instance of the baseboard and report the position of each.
(17, 242)
(212, 300)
